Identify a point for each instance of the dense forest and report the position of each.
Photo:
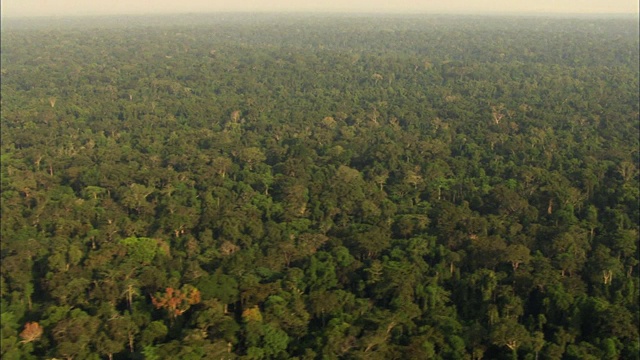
(320, 187)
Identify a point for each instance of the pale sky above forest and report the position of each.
(15, 8)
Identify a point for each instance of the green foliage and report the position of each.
(219, 286)
(140, 250)
(333, 187)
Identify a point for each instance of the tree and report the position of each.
(219, 286)
(176, 302)
(511, 334)
(266, 341)
(32, 332)
(372, 242)
(251, 156)
(74, 334)
(570, 248)
(517, 254)
(141, 250)
(135, 198)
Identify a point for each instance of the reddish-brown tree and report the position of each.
(176, 302)
(32, 332)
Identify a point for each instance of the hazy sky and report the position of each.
(11, 8)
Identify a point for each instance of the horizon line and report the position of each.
(327, 12)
